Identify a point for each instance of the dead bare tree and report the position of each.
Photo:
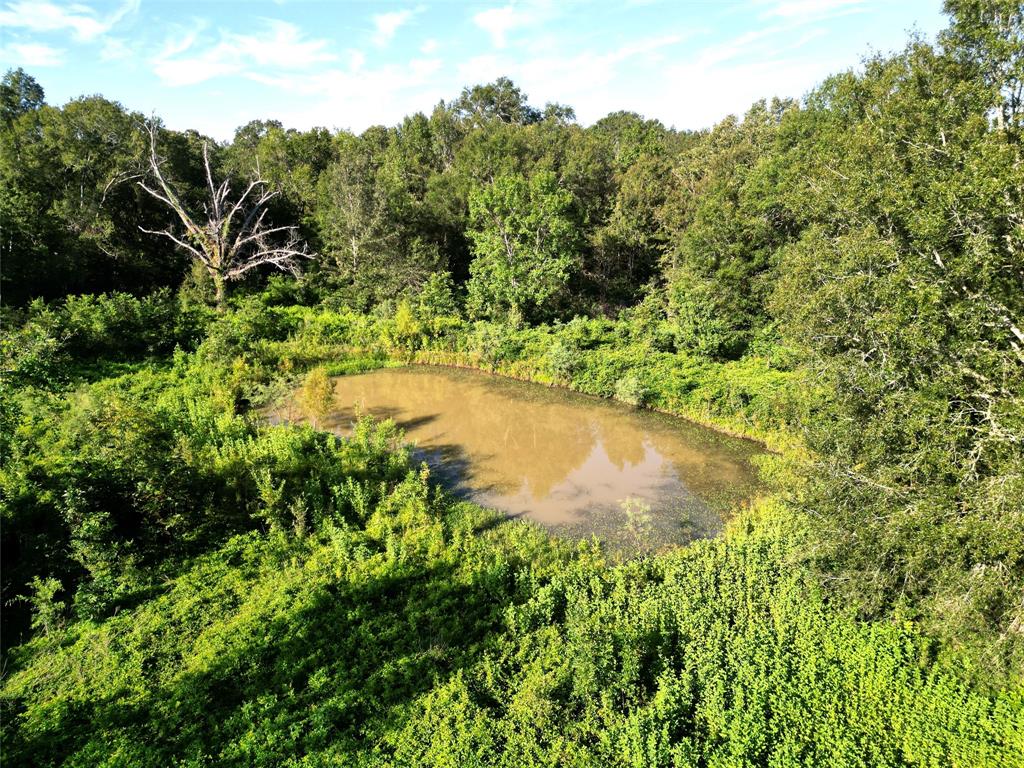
(234, 238)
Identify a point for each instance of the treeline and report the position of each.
(383, 209)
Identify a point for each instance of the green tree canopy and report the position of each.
(525, 245)
(500, 101)
(19, 93)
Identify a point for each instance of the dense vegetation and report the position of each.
(842, 277)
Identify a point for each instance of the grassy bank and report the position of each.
(417, 631)
(205, 589)
(609, 359)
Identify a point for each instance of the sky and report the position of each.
(217, 64)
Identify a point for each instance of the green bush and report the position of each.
(418, 631)
(55, 340)
(562, 360)
(115, 481)
(631, 390)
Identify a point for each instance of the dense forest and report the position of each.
(840, 277)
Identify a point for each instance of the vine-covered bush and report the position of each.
(51, 341)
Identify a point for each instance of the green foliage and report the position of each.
(726, 227)
(316, 395)
(405, 329)
(47, 610)
(499, 101)
(904, 298)
(184, 584)
(985, 37)
(376, 215)
(704, 317)
(563, 360)
(630, 390)
(628, 248)
(19, 94)
(55, 339)
(111, 485)
(258, 595)
(524, 243)
(409, 638)
(436, 299)
(71, 216)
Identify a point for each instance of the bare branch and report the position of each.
(262, 234)
(170, 235)
(227, 252)
(116, 180)
(238, 205)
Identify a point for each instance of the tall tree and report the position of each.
(235, 238)
(906, 295)
(985, 36)
(354, 215)
(19, 93)
(500, 101)
(724, 235)
(69, 216)
(525, 244)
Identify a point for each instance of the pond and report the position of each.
(579, 465)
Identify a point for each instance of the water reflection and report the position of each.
(564, 460)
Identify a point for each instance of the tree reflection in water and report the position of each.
(561, 459)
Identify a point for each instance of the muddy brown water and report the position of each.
(579, 465)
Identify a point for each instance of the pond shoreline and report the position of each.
(579, 465)
(773, 442)
(706, 424)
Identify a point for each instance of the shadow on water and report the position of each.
(578, 465)
(345, 418)
(409, 425)
(452, 467)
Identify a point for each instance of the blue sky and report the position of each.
(217, 64)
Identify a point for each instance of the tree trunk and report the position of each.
(218, 285)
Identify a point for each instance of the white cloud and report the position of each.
(584, 80)
(387, 24)
(644, 47)
(356, 99)
(81, 20)
(421, 69)
(32, 55)
(500, 22)
(703, 96)
(483, 69)
(284, 47)
(744, 45)
(797, 10)
(115, 49)
(767, 44)
(592, 61)
(280, 46)
(185, 40)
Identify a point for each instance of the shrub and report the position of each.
(47, 610)
(56, 340)
(631, 390)
(562, 360)
(403, 330)
(437, 297)
(316, 395)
